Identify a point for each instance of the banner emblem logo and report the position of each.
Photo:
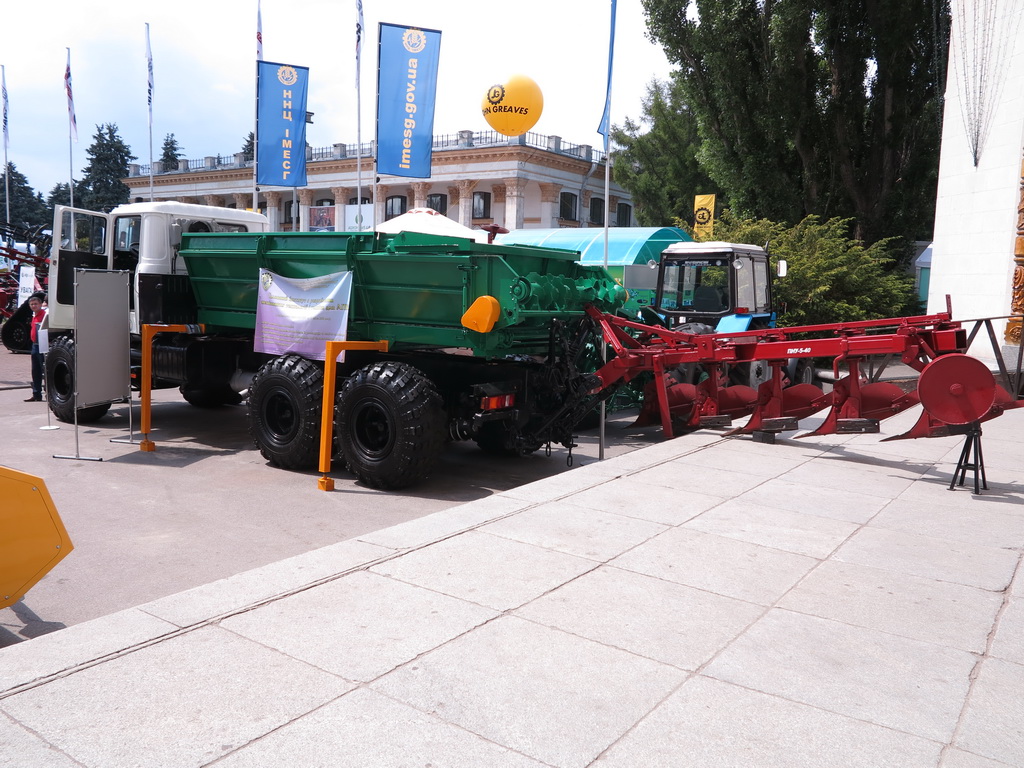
(414, 40)
(287, 75)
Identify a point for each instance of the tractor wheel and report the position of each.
(284, 411)
(15, 331)
(60, 384)
(390, 425)
(800, 370)
(750, 374)
(210, 397)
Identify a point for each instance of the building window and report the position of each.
(394, 206)
(439, 203)
(481, 205)
(324, 201)
(354, 201)
(567, 206)
(623, 215)
(597, 211)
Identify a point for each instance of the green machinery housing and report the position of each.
(412, 290)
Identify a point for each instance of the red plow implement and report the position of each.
(692, 385)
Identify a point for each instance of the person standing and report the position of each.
(35, 303)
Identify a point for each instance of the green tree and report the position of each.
(832, 277)
(249, 147)
(828, 107)
(170, 153)
(659, 167)
(27, 207)
(59, 195)
(101, 188)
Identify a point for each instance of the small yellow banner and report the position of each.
(703, 216)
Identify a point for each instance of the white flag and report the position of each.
(3, 78)
(71, 99)
(149, 64)
(259, 32)
(359, 37)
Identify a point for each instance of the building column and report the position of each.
(549, 205)
(498, 204)
(419, 193)
(305, 200)
(273, 204)
(466, 201)
(453, 199)
(242, 200)
(217, 200)
(382, 192)
(341, 196)
(515, 203)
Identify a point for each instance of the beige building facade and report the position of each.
(477, 179)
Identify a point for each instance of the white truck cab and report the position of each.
(141, 238)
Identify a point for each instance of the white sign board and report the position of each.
(26, 283)
(301, 315)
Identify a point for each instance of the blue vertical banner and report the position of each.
(605, 127)
(407, 61)
(281, 124)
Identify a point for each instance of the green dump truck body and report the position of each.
(410, 289)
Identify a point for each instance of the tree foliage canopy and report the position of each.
(827, 107)
(101, 188)
(831, 277)
(659, 167)
(170, 152)
(27, 207)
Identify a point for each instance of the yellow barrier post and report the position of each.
(146, 385)
(334, 348)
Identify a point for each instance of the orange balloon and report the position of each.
(513, 107)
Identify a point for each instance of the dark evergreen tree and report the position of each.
(659, 167)
(249, 147)
(27, 208)
(101, 186)
(59, 195)
(827, 107)
(170, 153)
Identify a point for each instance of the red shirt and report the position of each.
(37, 318)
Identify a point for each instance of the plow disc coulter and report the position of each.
(954, 389)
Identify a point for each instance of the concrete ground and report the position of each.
(206, 505)
(704, 601)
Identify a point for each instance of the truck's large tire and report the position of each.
(390, 425)
(284, 411)
(15, 331)
(60, 384)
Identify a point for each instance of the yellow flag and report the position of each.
(703, 215)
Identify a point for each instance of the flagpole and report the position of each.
(72, 130)
(359, 120)
(606, 128)
(7, 165)
(256, 116)
(149, 63)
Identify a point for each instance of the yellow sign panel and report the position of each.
(704, 216)
(32, 535)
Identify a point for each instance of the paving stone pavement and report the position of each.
(702, 602)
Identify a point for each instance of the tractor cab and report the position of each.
(723, 285)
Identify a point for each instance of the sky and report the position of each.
(204, 69)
